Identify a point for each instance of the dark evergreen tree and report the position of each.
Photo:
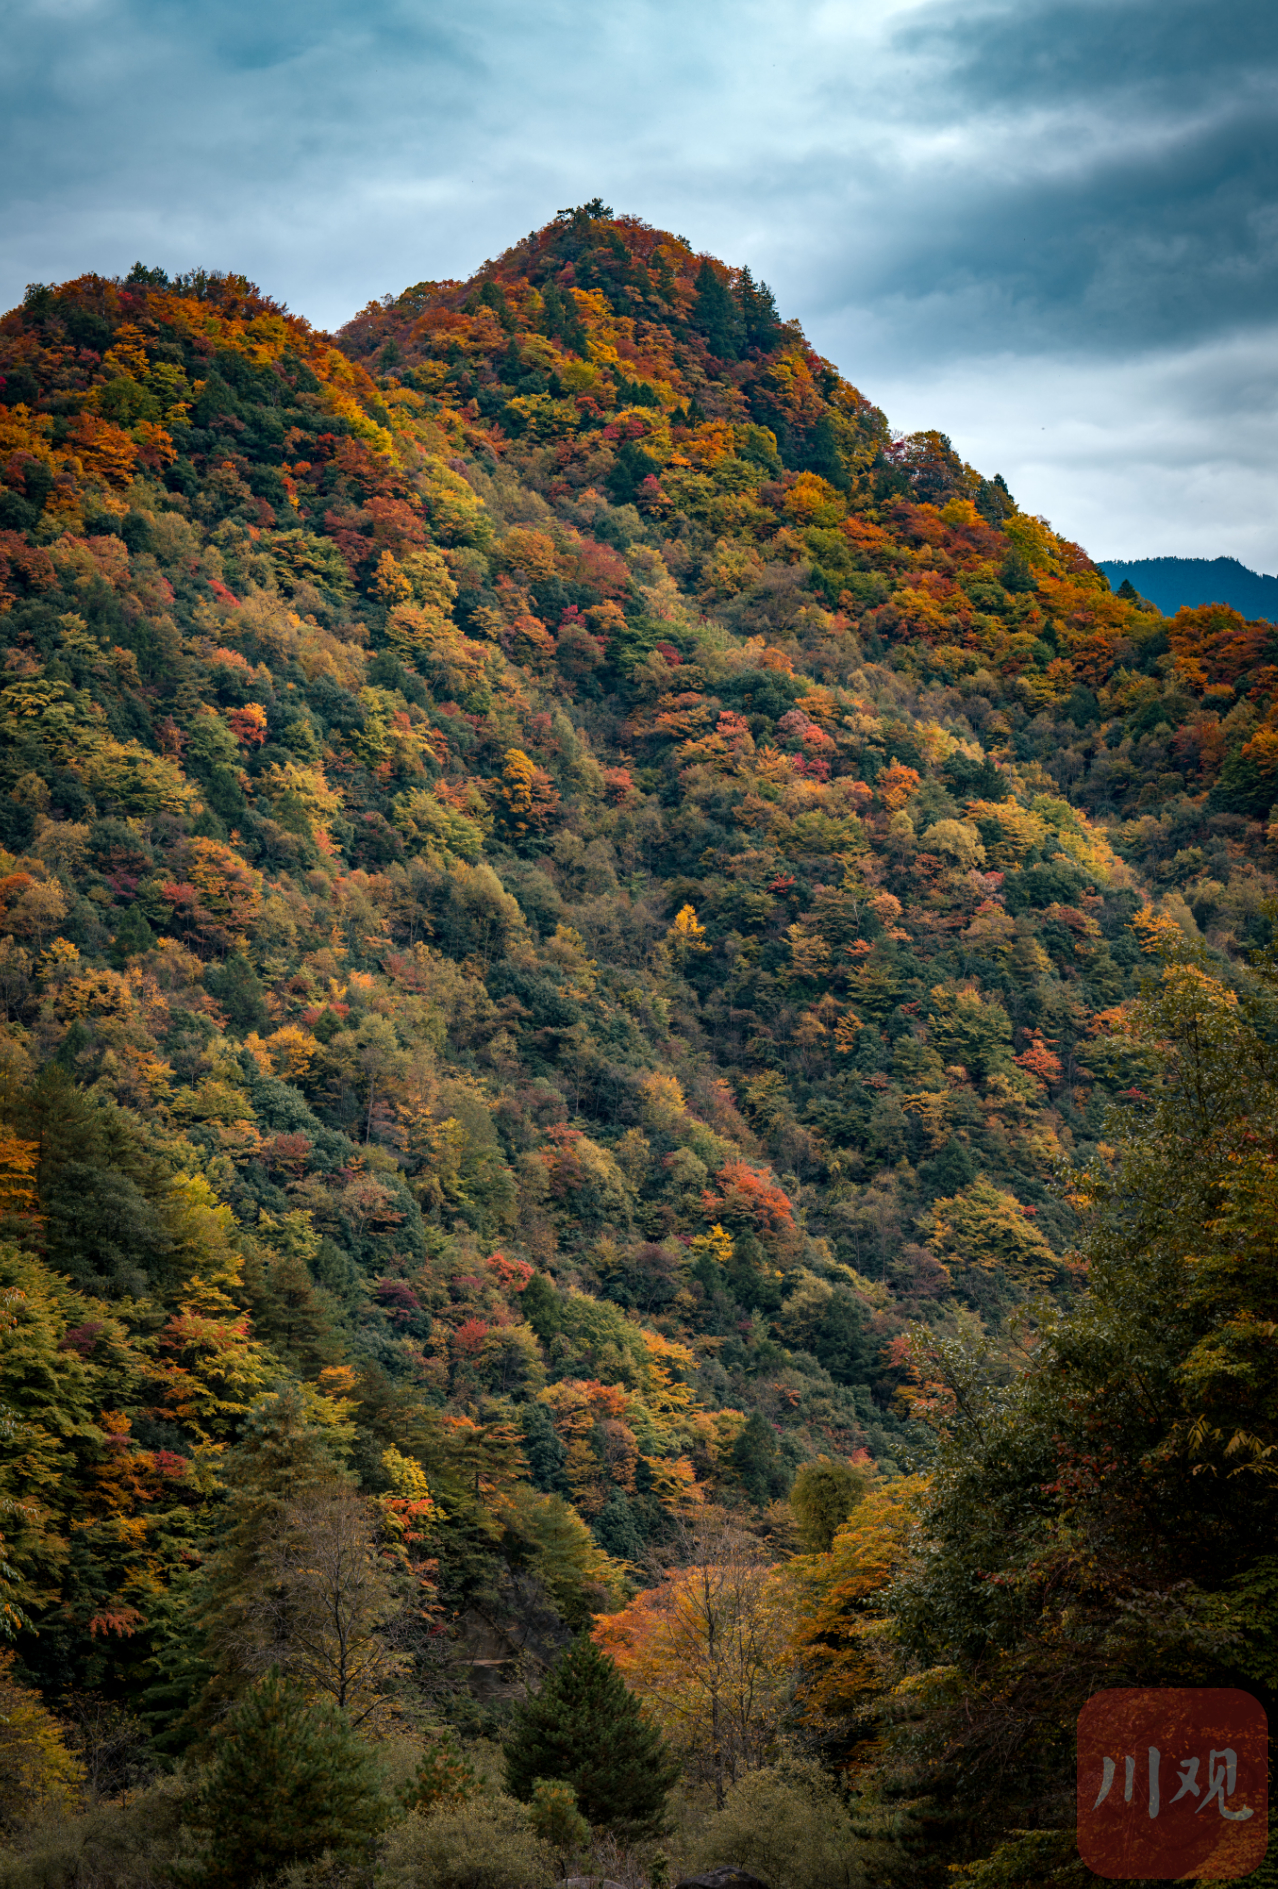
(544, 1449)
(584, 1727)
(177, 1671)
(289, 1781)
(757, 1461)
(716, 314)
(823, 455)
(616, 1529)
(103, 1190)
(132, 935)
(633, 465)
(235, 986)
(841, 1344)
(280, 1459)
(493, 296)
(994, 502)
(560, 320)
(289, 1314)
(1015, 573)
(759, 315)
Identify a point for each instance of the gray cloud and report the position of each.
(1103, 175)
(1066, 200)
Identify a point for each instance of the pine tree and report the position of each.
(235, 985)
(132, 935)
(631, 467)
(823, 455)
(615, 1528)
(1015, 573)
(288, 1314)
(585, 1729)
(289, 1781)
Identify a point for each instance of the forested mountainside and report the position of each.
(1171, 583)
(565, 891)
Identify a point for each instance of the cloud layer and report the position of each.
(1050, 229)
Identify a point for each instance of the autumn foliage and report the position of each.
(563, 892)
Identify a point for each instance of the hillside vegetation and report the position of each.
(564, 892)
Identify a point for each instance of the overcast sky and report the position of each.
(1048, 227)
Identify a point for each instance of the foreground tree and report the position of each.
(1107, 1517)
(289, 1781)
(585, 1729)
(284, 1468)
(37, 1771)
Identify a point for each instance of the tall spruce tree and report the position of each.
(716, 314)
(585, 1729)
(757, 1461)
(759, 313)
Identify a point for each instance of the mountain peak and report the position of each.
(562, 890)
(598, 324)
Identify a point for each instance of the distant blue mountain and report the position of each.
(1171, 582)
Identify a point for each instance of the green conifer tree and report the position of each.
(716, 314)
(758, 312)
(282, 1458)
(132, 935)
(289, 1781)
(288, 1313)
(235, 985)
(757, 1461)
(616, 1529)
(585, 1729)
(823, 455)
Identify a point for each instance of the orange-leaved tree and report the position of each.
(706, 1651)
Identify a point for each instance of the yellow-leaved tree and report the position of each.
(37, 1772)
(707, 1652)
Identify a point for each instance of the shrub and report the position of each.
(485, 1844)
(135, 1845)
(444, 1775)
(37, 1772)
(555, 1818)
(788, 1825)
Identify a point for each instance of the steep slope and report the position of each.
(563, 885)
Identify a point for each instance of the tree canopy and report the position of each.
(567, 898)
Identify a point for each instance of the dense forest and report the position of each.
(637, 1102)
